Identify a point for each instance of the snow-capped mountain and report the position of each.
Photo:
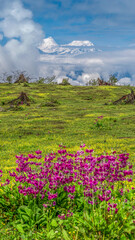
(49, 46)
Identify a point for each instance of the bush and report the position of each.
(40, 80)
(113, 80)
(65, 82)
(26, 84)
(92, 82)
(9, 79)
(52, 102)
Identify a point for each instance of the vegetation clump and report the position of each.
(101, 82)
(113, 80)
(65, 82)
(51, 102)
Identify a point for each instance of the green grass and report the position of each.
(71, 122)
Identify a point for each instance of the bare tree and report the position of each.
(47, 80)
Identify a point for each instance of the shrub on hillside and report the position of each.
(65, 82)
(113, 80)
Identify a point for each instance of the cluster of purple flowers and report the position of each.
(112, 206)
(70, 189)
(98, 118)
(72, 173)
(7, 180)
(0, 173)
(63, 216)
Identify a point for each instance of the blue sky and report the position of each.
(108, 24)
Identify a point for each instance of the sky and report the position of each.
(109, 25)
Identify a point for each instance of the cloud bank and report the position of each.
(83, 67)
(19, 38)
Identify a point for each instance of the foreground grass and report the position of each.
(70, 121)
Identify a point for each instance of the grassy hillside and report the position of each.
(103, 203)
(64, 114)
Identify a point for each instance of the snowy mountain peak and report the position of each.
(81, 44)
(49, 46)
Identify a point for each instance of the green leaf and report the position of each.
(20, 228)
(81, 199)
(25, 218)
(51, 234)
(62, 196)
(37, 216)
(25, 210)
(129, 229)
(54, 223)
(37, 210)
(42, 221)
(60, 221)
(82, 230)
(65, 235)
(86, 215)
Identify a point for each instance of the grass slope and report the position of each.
(69, 120)
(68, 115)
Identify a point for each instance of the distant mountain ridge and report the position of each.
(49, 46)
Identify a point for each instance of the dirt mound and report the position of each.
(21, 79)
(23, 98)
(129, 98)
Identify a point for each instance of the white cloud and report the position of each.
(80, 43)
(1, 37)
(85, 77)
(14, 9)
(125, 81)
(90, 66)
(23, 36)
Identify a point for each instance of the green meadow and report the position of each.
(69, 116)
(70, 121)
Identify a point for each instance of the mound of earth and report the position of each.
(23, 98)
(129, 98)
